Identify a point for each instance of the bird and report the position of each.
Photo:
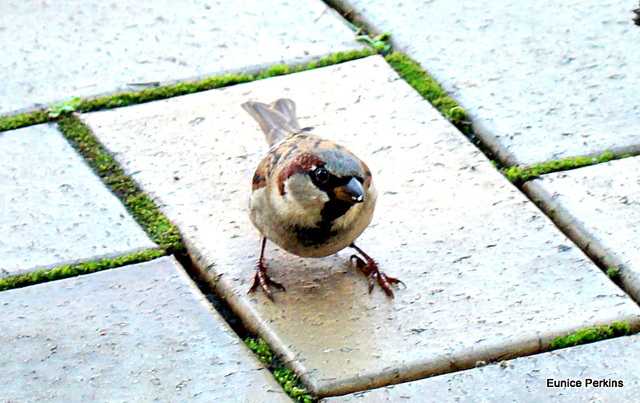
(310, 196)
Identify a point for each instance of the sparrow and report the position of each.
(309, 196)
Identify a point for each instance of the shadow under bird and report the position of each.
(310, 196)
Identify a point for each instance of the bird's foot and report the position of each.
(370, 268)
(262, 280)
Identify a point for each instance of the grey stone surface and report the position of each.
(52, 51)
(53, 209)
(137, 333)
(488, 275)
(542, 80)
(525, 379)
(599, 207)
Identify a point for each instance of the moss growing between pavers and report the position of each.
(72, 270)
(64, 108)
(261, 349)
(12, 122)
(585, 336)
(84, 105)
(430, 90)
(287, 378)
(143, 210)
(173, 90)
(518, 175)
(162, 92)
(613, 273)
(337, 58)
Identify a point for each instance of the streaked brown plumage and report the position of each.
(310, 196)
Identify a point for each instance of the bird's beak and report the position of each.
(351, 192)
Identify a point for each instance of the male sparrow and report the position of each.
(310, 196)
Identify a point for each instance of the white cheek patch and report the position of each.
(302, 202)
(301, 190)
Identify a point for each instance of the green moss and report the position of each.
(261, 349)
(289, 381)
(422, 82)
(287, 378)
(173, 90)
(340, 57)
(142, 208)
(276, 70)
(162, 92)
(13, 122)
(85, 105)
(64, 108)
(336, 58)
(71, 270)
(518, 175)
(592, 334)
(613, 272)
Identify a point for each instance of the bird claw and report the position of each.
(262, 280)
(371, 270)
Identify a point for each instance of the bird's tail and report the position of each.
(276, 120)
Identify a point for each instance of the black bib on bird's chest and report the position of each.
(334, 209)
(319, 234)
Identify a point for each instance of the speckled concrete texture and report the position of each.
(607, 372)
(53, 51)
(488, 275)
(137, 333)
(53, 209)
(599, 207)
(542, 80)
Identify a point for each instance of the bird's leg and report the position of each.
(261, 278)
(370, 268)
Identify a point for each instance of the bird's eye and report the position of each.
(321, 174)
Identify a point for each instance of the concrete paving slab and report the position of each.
(607, 372)
(53, 51)
(598, 206)
(138, 333)
(488, 275)
(53, 209)
(542, 80)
